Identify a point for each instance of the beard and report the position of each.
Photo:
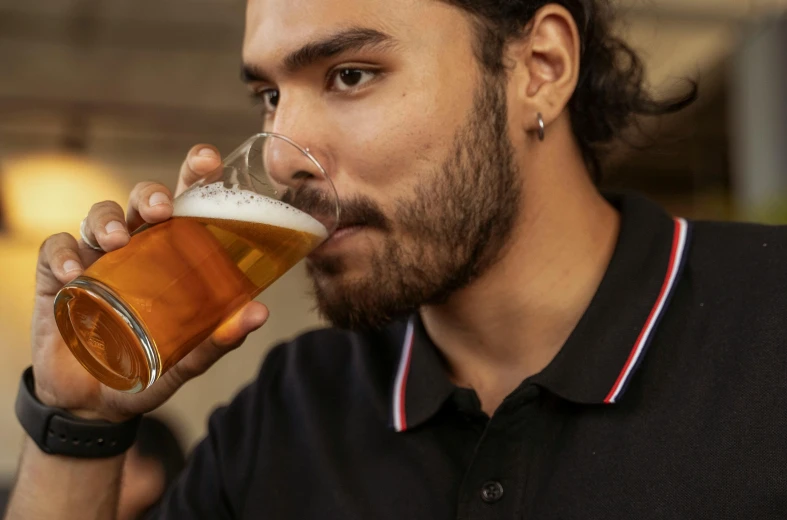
(449, 233)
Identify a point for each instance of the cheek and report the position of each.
(388, 143)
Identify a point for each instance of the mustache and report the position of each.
(354, 211)
(360, 210)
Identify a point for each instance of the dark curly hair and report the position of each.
(610, 92)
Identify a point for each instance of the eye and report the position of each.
(269, 99)
(348, 79)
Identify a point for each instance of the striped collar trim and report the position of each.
(400, 384)
(677, 259)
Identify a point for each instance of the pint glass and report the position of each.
(138, 310)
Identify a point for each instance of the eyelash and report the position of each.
(258, 97)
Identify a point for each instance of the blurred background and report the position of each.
(97, 95)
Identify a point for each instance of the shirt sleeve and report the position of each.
(216, 479)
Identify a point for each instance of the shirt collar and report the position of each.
(422, 384)
(606, 348)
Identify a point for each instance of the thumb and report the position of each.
(227, 337)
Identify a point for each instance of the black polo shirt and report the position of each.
(669, 400)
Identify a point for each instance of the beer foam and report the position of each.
(217, 201)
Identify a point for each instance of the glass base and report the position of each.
(106, 336)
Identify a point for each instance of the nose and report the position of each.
(301, 118)
(287, 165)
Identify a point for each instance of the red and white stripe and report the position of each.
(400, 385)
(676, 259)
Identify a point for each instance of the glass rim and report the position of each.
(245, 147)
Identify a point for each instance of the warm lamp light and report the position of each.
(46, 194)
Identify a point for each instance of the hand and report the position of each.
(60, 380)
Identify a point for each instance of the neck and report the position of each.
(511, 322)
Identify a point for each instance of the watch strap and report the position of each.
(59, 432)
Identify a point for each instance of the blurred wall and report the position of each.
(758, 121)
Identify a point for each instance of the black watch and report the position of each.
(58, 432)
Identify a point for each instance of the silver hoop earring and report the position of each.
(541, 127)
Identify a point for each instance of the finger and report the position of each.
(106, 225)
(228, 337)
(232, 332)
(202, 162)
(150, 202)
(58, 263)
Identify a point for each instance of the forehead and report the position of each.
(286, 24)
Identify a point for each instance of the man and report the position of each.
(509, 343)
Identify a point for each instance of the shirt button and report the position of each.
(491, 492)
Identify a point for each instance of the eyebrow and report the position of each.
(353, 39)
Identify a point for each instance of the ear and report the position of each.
(546, 68)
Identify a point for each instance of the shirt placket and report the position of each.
(495, 481)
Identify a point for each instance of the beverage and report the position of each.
(138, 310)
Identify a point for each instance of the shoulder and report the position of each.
(746, 256)
(325, 377)
(733, 290)
(330, 360)
(323, 368)
(750, 236)
(314, 367)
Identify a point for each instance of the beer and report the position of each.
(176, 281)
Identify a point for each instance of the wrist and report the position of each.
(49, 399)
(58, 432)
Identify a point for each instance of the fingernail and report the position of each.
(158, 198)
(207, 153)
(115, 226)
(70, 266)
